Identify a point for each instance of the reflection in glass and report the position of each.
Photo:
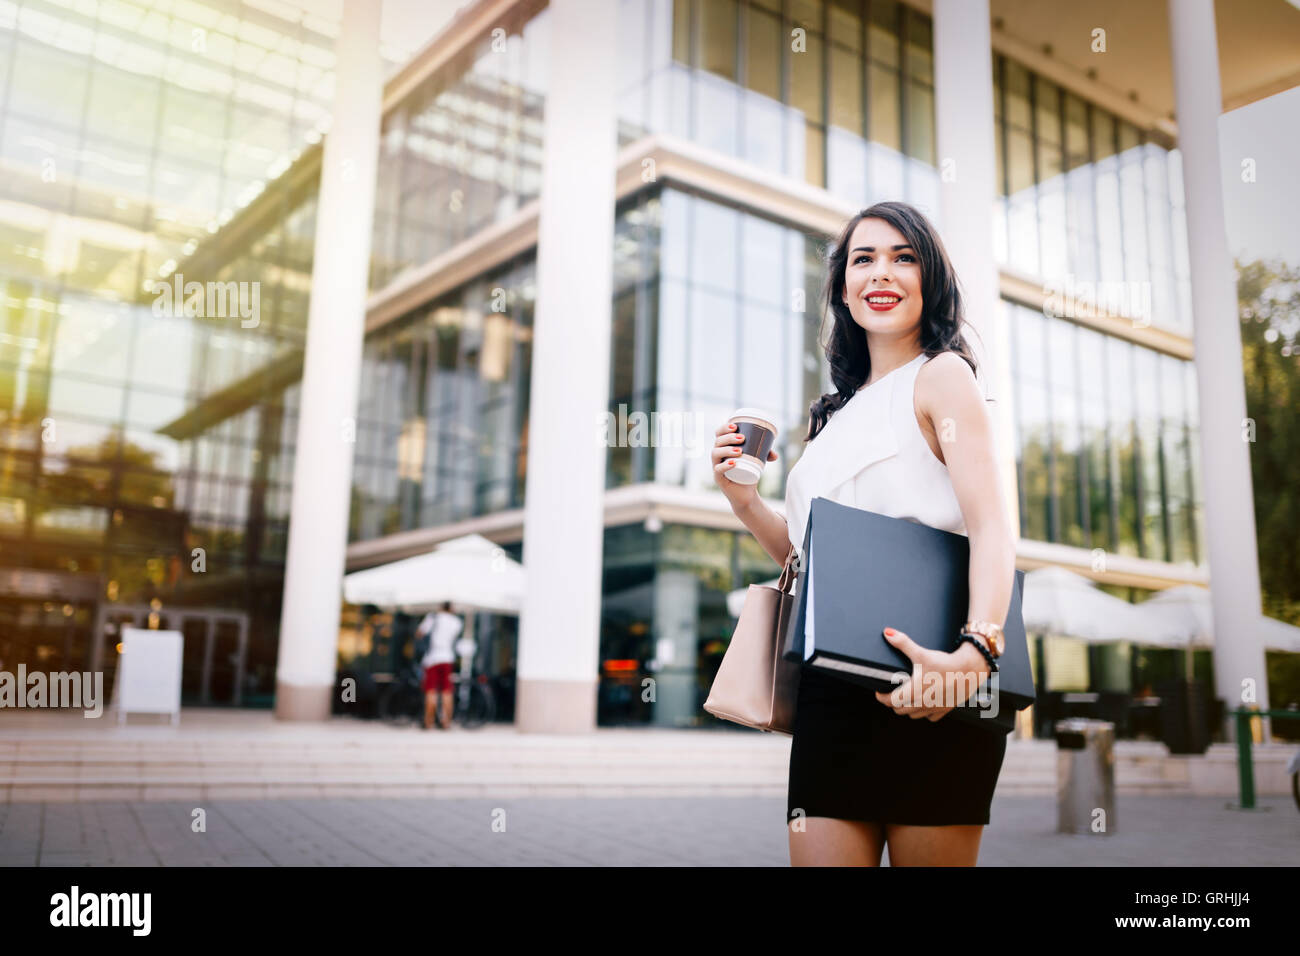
(846, 111)
(1093, 414)
(885, 111)
(717, 39)
(124, 165)
(1147, 396)
(1067, 487)
(833, 93)
(1176, 462)
(1123, 448)
(1033, 423)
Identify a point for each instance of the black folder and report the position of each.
(872, 572)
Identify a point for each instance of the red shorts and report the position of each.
(437, 677)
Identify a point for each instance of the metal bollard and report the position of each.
(1085, 775)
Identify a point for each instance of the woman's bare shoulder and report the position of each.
(945, 380)
(944, 365)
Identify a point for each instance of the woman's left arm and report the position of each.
(948, 394)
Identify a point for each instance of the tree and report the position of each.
(1269, 300)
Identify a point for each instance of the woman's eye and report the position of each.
(905, 255)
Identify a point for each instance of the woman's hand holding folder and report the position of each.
(940, 680)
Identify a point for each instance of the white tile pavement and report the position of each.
(629, 831)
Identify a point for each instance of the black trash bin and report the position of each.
(1184, 716)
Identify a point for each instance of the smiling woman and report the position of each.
(865, 770)
(897, 353)
(888, 249)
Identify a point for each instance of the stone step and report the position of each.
(26, 764)
(135, 753)
(207, 759)
(55, 790)
(183, 783)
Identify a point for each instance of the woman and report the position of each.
(911, 438)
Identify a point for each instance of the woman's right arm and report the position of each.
(768, 527)
(771, 530)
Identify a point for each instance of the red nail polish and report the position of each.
(889, 631)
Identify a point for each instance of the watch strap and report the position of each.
(989, 631)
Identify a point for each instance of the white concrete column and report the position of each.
(1225, 456)
(559, 628)
(963, 106)
(322, 472)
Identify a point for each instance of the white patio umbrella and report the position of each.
(1059, 601)
(471, 572)
(1279, 636)
(1178, 617)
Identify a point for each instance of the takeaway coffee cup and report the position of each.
(760, 435)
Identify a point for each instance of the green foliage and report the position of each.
(1269, 302)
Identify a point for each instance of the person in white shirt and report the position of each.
(442, 628)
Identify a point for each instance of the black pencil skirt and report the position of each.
(853, 758)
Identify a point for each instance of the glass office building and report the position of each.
(702, 285)
(175, 433)
(145, 145)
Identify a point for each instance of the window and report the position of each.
(1104, 441)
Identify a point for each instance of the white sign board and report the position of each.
(149, 673)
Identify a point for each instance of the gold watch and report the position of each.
(992, 634)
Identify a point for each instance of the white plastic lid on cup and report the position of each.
(751, 412)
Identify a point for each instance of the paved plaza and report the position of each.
(540, 831)
(358, 793)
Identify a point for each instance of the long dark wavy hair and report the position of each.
(942, 315)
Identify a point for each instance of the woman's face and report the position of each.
(876, 265)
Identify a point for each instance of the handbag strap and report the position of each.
(788, 572)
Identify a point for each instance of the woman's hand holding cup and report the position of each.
(743, 434)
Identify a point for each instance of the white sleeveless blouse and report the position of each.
(873, 455)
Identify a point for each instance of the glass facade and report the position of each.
(134, 438)
(458, 155)
(726, 309)
(664, 619)
(835, 93)
(442, 423)
(1105, 438)
(1085, 196)
(701, 292)
(142, 437)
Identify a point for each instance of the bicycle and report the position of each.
(401, 699)
(475, 704)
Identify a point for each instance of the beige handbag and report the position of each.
(755, 686)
